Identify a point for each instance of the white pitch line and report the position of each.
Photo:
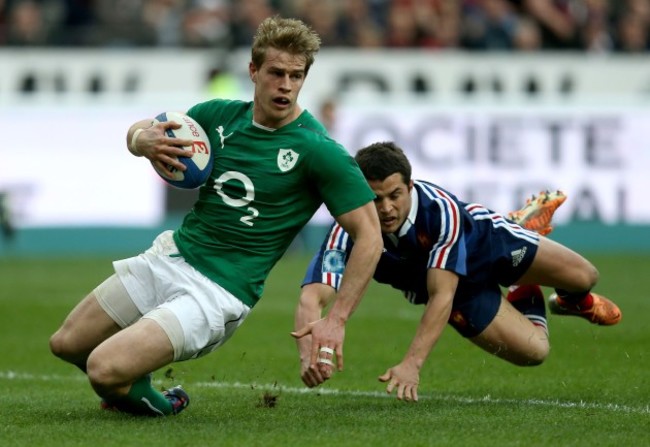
(447, 398)
(616, 408)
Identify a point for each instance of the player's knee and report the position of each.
(592, 276)
(537, 357)
(588, 277)
(60, 345)
(101, 373)
(532, 360)
(537, 351)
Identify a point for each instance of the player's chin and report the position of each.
(389, 226)
(281, 111)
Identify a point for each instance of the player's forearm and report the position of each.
(362, 224)
(309, 309)
(358, 272)
(431, 325)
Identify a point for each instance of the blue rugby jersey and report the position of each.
(482, 247)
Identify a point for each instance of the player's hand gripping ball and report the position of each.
(199, 165)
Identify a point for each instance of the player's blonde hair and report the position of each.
(290, 35)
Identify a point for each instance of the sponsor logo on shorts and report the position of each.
(457, 319)
(410, 296)
(518, 256)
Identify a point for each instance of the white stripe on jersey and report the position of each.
(337, 238)
(479, 212)
(449, 225)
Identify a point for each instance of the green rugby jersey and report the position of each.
(264, 187)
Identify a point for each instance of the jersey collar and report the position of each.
(259, 126)
(410, 219)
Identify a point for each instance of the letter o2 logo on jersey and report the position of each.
(238, 202)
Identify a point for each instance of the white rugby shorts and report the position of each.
(160, 283)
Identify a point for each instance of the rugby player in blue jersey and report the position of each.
(454, 257)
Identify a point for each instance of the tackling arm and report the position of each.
(314, 298)
(363, 226)
(405, 376)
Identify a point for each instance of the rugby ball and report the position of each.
(199, 165)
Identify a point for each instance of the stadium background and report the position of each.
(494, 99)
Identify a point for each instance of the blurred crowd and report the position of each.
(477, 25)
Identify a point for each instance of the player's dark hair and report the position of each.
(290, 35)
(380, 160)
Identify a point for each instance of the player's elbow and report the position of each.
(315, 296)
(374, 246)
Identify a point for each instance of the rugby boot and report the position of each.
(602, 311)
(537, 213)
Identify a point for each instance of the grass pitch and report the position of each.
(592, 390)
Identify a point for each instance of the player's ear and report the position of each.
(410, 185)
(252, 72)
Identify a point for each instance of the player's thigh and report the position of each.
(474, 308)
(202, 321)
(513, 337)
(87, 325)
(196, 313)
(558, 266)
(189, 326)
(129, 354)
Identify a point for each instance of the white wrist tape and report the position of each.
(134, 139)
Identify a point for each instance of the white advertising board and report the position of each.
(69, 166)
(499, 155)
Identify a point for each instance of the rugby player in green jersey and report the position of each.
(274, 165)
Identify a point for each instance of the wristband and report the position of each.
(134, 138)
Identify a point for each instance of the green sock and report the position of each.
(143, 398)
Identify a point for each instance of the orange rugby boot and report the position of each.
(602, 312)
(538, 212)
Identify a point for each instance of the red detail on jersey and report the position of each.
(333, 236)
(424, 240)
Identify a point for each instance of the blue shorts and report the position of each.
(470, 317)
(477, 301)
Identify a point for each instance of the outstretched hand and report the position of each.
(405, 378)
(326, 342)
